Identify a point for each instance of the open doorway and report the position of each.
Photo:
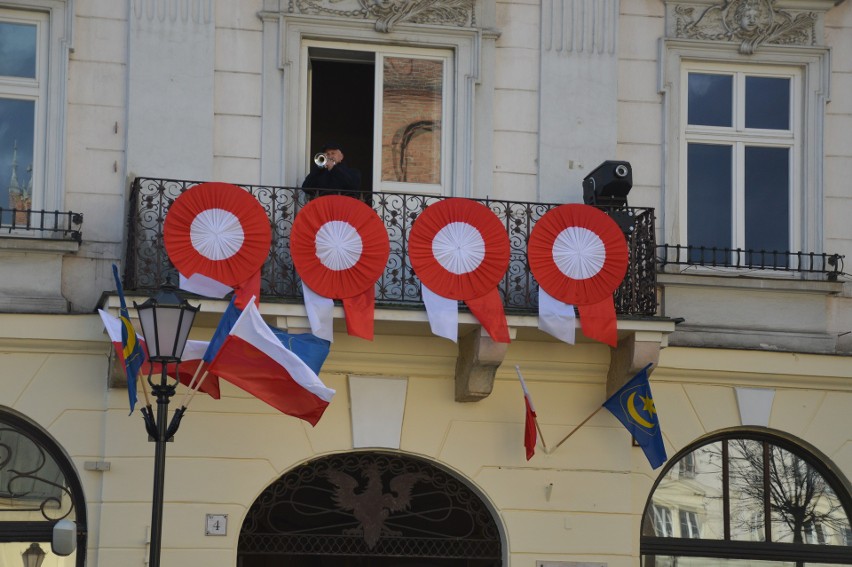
(342, 85)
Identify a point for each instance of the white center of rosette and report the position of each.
(579, 253)
(216, 234)
(339, 245)
(459, 248)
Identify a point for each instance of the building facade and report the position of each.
(734, 119)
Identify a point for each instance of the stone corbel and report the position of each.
(479, 358)
(633, 353)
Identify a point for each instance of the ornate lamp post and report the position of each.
(166, 320)
(33, 556)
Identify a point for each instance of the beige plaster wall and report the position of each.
(580, 503)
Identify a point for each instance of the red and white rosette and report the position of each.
(460, 251)
(217, 236)
(340, 248)
(578, 255)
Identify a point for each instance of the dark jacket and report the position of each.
(341, 179)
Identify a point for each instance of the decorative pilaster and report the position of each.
(578, 94)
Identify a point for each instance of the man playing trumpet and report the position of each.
(331, 175)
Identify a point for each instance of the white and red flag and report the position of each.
(252, 358)
(530, 424)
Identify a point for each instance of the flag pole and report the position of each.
(184, 401)
(573, 431)
(193, 391)
(144, 389)
(535, 417)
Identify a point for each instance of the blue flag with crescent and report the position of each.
(633, 405)
(134, 356)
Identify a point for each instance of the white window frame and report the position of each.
(380, 52)
(810, 65)
(690, 519)
(737, 137)
(33, 90)
(663, 526)
(54, 18)
(284, 144)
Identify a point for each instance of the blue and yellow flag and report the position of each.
(633, 405)
(134, 356)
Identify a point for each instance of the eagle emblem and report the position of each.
(372, 506)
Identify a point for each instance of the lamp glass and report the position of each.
(166, 320)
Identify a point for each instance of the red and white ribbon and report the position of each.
(340, 248)
(578, 255)
(460, 251)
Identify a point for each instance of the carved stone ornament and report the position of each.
(751, 22)
(388, 13)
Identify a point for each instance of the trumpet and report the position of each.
(322, 160)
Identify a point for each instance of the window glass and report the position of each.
(688, 524)
(740, 151)
(18, 50)
(751, 496)
(412, 107)
(767, 103)
(701, 490)
(767, 205)
(710, 99)
(745, 474)
(17, 130)
(709, 174)
(662, 521)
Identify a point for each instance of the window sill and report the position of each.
(29, 244)
(754, 279)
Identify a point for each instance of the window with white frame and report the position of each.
(688, 524)
(23, 82)
(35, 36)
(662, 521)
(743, 153)
(394, 122)
(740, 139)
(440, 146)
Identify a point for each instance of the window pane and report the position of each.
(17, 123)
(767, 204)
(805, 509)
(710, 99)
(18, 50)
(709, 200)
(767, 103)
(411, 120)
(697, 495)
(746, 489)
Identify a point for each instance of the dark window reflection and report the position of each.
(767, 101)
(709, 222)
(710, 99)
(767, 204)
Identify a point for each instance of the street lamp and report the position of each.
(33, 556)
(166, 320)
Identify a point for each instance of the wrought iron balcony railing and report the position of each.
(829, 265)
(55, 225)
(148, 266)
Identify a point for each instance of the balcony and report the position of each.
(148, 267)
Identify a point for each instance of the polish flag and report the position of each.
(253, 359)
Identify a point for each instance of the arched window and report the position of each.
(744, 496)
(369, 509)
(38, 487)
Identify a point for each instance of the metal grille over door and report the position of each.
(370, 505)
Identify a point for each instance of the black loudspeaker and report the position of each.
(608, 184)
